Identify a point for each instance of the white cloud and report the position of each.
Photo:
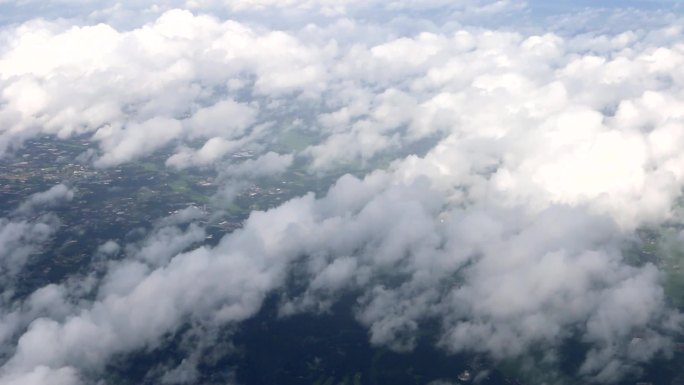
(44, 375)
(28, 228)
(56, 195)
(20, 239)
(227, 119)
(135, 140)
(212, 151)
(544, 153)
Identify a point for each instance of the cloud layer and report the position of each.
(501, 172)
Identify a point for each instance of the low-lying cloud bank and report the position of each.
(548, 152)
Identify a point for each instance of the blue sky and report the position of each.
(16, 12)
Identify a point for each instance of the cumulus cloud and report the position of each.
(44, 375)
(56, 195)
(502, 172)
(170, 87)
(573, 273)
(268, 164)
(24, 234)
(20, 239)
(28, 228)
